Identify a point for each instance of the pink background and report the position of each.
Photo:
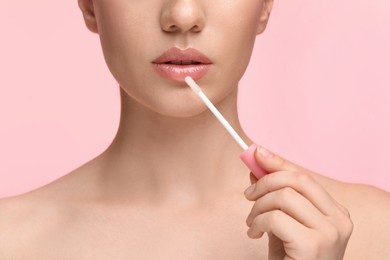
(317, 90)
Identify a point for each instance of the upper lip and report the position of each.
(188, 56)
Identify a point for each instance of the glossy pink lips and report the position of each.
(176, 64)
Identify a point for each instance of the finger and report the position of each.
(272, 162)
(278, 223)
(343, 209)
(290, 202)
(302, 183)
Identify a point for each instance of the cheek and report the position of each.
(238, 23)
(124, 41)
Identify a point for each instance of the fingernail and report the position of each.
(250, 189)
(264, 152)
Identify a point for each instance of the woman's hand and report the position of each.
(302, 220)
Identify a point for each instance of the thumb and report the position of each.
(272, 162)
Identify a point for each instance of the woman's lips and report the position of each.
(179, 72)
(176, 64)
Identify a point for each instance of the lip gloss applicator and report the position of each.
(248, 156)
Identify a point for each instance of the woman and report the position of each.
(170, 186)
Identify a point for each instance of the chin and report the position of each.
(178, 109)
(173, 100)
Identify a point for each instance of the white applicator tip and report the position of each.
(195, 87)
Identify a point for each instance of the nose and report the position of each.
(182, 16)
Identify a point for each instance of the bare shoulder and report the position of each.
(14, 212)
(370, 211)
(26, 221)
(31, 220)
(369, 208)
(18, 220)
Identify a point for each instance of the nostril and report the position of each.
(173, 28)
(196, 28)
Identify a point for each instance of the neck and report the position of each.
(184, 159)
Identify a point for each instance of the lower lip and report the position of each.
(180, 72)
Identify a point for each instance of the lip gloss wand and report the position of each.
(247, 156)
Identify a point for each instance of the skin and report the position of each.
(164, 188)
